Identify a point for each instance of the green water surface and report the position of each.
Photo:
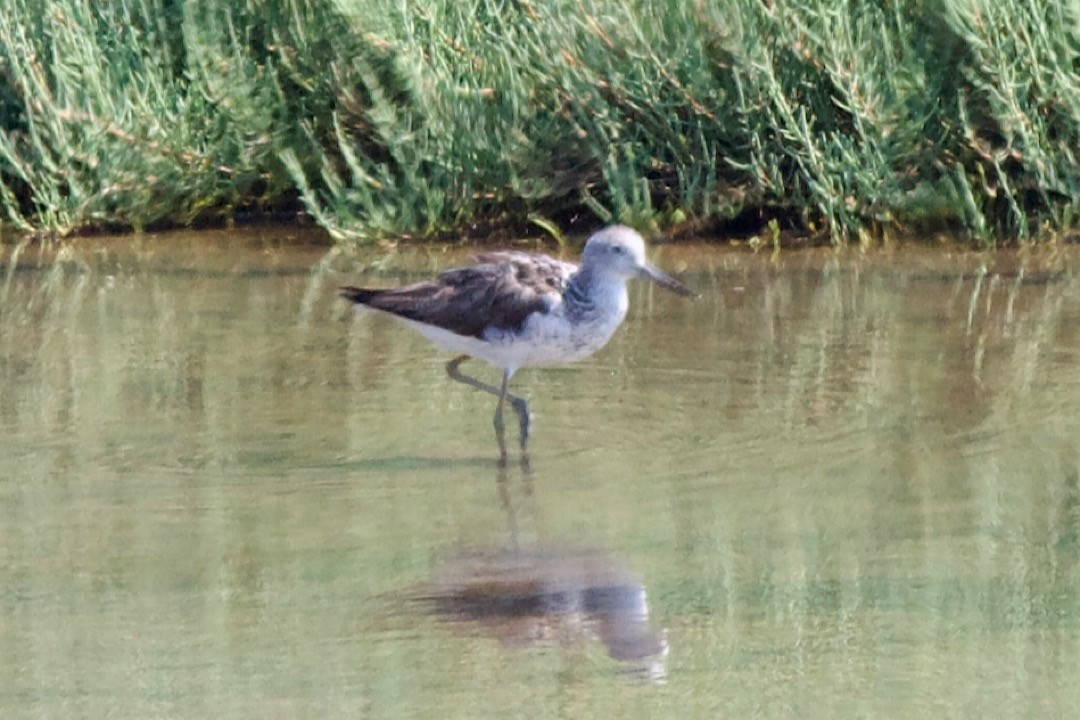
(847, 485)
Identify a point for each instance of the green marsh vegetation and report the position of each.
(843, 119)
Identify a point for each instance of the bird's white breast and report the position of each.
(554, 338)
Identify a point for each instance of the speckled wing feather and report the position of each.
(500, 292)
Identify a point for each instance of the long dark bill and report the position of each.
(666, 281)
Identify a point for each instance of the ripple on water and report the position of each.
(848, 488)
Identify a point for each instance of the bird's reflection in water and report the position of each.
(552, 595)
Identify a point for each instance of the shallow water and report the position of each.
(837, 485)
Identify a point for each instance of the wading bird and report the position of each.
(516, 309)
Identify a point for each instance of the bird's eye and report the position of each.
(619, 249)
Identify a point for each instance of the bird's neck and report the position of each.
(590, 293)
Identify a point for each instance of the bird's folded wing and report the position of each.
(499, 293)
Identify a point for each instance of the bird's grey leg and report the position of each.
(520, 406)
(499, 428)
(522, 409)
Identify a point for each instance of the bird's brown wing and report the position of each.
(500, 292)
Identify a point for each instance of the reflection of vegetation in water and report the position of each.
(421, 117)
(921, 454)
(829, 471)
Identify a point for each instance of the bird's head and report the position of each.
(620, 251)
